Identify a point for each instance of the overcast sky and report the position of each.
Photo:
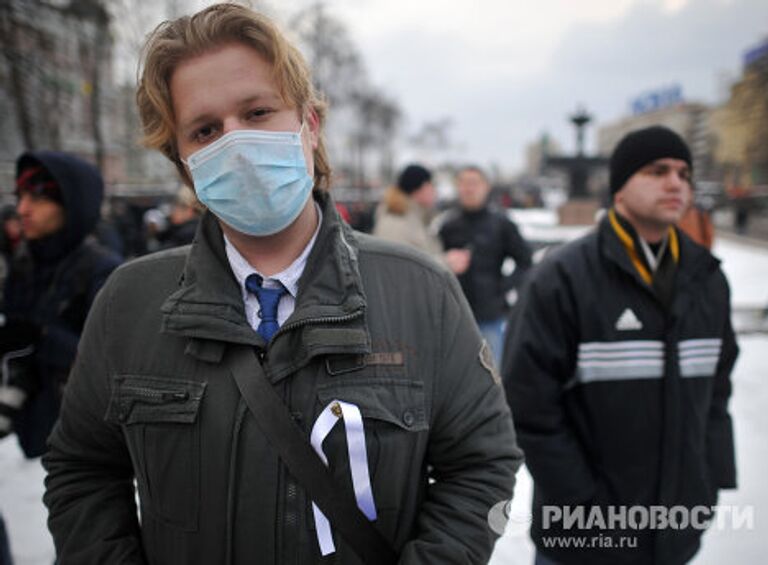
(508, 70)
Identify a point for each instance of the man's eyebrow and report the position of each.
(661, 165)
(261, 97)
(268, 97)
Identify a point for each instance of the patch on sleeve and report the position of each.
(392, 358)
(486, 360)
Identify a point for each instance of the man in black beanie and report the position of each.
(617, 367)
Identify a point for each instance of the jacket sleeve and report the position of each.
(58, 345)
(89, 482)
(539, 360)
(472, 448)
(518, 249)
(720, 445)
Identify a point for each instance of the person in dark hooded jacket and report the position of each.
(51, 283)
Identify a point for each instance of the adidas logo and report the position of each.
(628, 321)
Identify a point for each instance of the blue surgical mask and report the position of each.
(255, 181)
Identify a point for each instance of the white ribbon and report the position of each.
(358, 463)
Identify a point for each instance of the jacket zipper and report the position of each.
(322, 320)
(157, 396)
(288, 515)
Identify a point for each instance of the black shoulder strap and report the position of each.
(336, 502)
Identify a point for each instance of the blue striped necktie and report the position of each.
(268, 298)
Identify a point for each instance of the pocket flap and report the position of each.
(397, 401)
(138, 399)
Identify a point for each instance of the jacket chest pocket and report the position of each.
(395, 420)
(159, 418)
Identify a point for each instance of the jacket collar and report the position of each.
(630, 240)
(330, 306)
(475, 215)
(693, 260)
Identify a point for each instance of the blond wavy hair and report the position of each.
(189, 36)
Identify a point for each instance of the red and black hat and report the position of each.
(37, 181)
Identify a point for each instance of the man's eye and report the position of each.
(258, 113)
(203, 134)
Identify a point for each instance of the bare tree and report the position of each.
(377, 120)
(46, 74)
(131, 22)
(339, 73)
(434, 135)
(336, 65)
(95, 59)
(11, 36)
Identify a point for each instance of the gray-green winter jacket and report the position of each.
(152, 396)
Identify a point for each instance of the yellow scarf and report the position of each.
(629, 245)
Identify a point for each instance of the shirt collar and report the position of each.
(288, 277)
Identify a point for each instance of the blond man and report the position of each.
(366, 349)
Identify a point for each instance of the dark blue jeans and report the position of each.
(493, 333)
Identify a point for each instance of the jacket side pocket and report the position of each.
(159, 419)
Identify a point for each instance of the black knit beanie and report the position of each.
(643, 146)
(412, 177)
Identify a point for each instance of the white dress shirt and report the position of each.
(289, 278)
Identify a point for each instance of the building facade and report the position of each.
(729, 142)
(57, 91)
(741, 125)
(692, 121)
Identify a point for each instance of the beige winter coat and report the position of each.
(400, 219)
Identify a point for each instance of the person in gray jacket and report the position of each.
(339, 326)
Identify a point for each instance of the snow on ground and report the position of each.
(21, 481)
(746, 267)
(21, 491)
(748, 409)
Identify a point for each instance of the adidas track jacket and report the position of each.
(619, 403)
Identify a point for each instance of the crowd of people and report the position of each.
(264, 383)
